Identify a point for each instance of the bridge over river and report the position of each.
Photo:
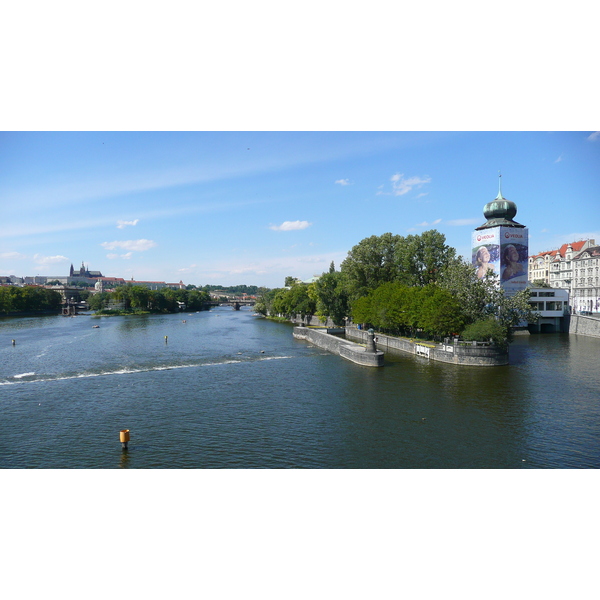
(235, 303)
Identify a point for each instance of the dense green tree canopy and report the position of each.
(330, 295)
(415, 260)
(28, 298)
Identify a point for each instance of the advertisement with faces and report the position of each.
(504, 251)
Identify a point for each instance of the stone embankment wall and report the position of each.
(340, 346)
(584, 325)
(311, 321)
(462, 353)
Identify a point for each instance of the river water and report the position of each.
(226, 389)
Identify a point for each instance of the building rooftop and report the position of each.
(499, 211)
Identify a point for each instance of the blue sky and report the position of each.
(253, 207)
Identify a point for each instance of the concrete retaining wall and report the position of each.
(311, 321)
(584, 325)
(340, 346)
(464, 353)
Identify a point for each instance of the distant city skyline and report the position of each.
(228, 208)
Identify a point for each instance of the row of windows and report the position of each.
(549, 305)
(561, 266)
(594, 292)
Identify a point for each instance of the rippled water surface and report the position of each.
(229, 390)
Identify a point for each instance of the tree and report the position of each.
(197, 299)
(330, 297)
(441, 313)
(28, 298)
(423, 258)
(488, 329)
(475, 295)
(370, 263)
(139, 296)
(540, 283)
(99, 301)
(416, 260)
(483, 298)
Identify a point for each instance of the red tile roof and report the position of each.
(577, 246)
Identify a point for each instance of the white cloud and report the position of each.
(123, 224)
(126, 256)
(290, 226)
(594, 136)
(401, 186)
(49, 260)
(343, 181)
(12, 255)
(133, 245)
(421, 195)
(559, 159)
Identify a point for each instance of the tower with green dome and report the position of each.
(501, 245)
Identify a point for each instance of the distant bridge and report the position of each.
(236, 303)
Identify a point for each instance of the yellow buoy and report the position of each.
(124, 437)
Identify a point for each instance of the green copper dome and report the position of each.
(500, 211)
(500, 208)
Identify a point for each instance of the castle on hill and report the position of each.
(84, 272)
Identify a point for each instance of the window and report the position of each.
(547, 294)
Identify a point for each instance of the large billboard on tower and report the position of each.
(504, 251)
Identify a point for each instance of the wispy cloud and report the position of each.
(123, 224)
(49, 260)
(559, 159)
(594, 137)
(343, 181)
(290, 226)
(96, 188)
(276, 267)
(126, 256)
(189, 269)
(463, 222)
(426, 224)
(12, 256)
(132, 245)
(401, 186)
(26, 229)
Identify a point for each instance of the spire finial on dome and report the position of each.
(499, 196)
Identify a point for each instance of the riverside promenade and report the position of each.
(453, 351)
(366, 355)
(475, 354)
